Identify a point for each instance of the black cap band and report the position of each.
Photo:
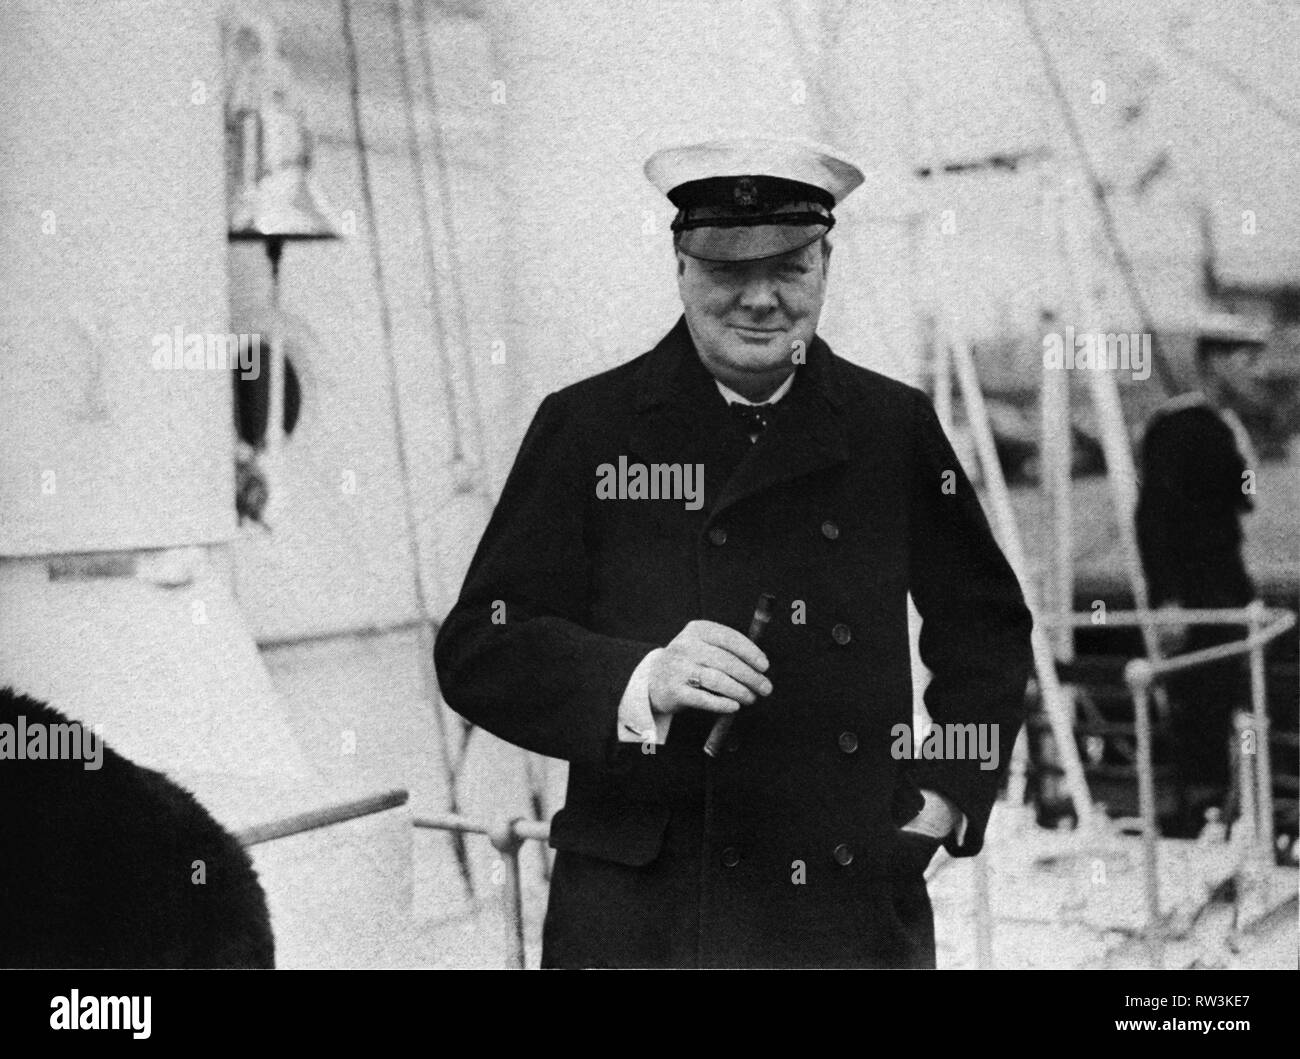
(688, 219)
(757, 194)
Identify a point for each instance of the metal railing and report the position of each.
(1254, 768)
(507, 838)
(315, 819)
(1141, 675)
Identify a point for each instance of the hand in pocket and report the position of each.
(915, 851)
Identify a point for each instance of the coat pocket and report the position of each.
(913, 853)
(630, 834)
(907, 801)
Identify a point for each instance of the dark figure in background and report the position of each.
(97, 864)
(1198, 471)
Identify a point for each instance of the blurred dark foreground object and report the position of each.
(115, 865)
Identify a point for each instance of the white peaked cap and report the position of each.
(789, 159)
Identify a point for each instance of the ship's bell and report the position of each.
(272, 192)
(276, 196)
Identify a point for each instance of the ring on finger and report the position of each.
(694, 681)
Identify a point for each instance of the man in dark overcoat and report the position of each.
(603, 619)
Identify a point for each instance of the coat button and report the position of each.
(718, 535)
(843, 855)
(730, 857)
(841, 634)
(848, 742)
(830, 531)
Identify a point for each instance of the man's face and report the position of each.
(1235, 371)
(748, 317)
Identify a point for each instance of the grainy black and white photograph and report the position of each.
(655, 485)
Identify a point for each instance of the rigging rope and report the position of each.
(399, 428)
(1122, 260)
(441, 170)
(442, 337)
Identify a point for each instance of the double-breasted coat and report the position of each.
(785, 850)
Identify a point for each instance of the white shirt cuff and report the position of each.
(637, 722)
(937, 812)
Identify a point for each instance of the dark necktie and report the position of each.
(753, 418)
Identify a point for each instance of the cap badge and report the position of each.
(746, 193)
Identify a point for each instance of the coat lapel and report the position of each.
(682, 418)
(806, 435)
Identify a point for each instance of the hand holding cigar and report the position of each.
(709, 666)
(722, 726)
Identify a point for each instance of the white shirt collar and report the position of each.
(734, 398)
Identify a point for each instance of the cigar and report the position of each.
(762, 615)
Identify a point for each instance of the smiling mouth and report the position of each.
(756, 330)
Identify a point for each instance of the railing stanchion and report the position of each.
(1139, 674)
(1263, 762)
(1248, 817)
(983, 914)
(507, 841)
